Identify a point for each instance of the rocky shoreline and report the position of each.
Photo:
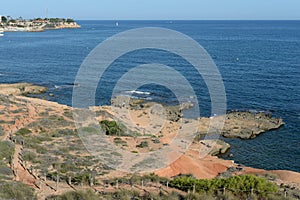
(248, 125)
(52, 140)
(238, 124)
(21, 89)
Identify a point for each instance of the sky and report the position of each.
(154, 9)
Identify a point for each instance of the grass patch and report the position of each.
(16, 190)
(23, 132)
(119, 141)
(31, 157)
(1, 131)
(6, 151)
(88, 130)
(76, 195)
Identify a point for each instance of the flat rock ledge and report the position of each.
(18, 89)
(248, 125)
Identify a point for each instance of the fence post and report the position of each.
(194, 189)
(69, 180)
(40, 185)
(251, 191)
(224, 190)
(16, 173)
(285, 193)
(91, 180)
(142, 184)
(167, 184)
(57, 181)
(117, 184)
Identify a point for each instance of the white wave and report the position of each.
(137, 92)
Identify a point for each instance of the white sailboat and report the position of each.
(117, 24)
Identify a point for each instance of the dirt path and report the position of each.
(22, 172)
(19, 168)
(18, 165)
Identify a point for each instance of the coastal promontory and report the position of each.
(9, 24)
(43, 149)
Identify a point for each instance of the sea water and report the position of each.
(258, 60)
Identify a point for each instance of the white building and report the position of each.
(0, 18)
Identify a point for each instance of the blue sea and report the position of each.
(258, 60)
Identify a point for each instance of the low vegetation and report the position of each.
(77, 195)
(23, 132)
(1, 131)
(16, 190)
(240, 186)
(111, 127)
(143, 144)
(6, 153)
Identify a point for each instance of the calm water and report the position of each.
(259, 62)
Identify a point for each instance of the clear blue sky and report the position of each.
(154, 9)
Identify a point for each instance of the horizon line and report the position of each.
(187, 19)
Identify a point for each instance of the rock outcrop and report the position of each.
(247, 125)
(21, 89)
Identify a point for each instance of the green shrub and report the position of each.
(80, 178)
(111, 127)
(68, 114)
(154, 178)
(41, 150)
(23, 132)
(124, 195)
(1, 131)
(236, 184)
(143, 144)
(6, 150)
(30, 156)
(56, 118)
(16, 190)
(68, 167)
(32, 142)
(65, 132)
(5, 171)
(120, 141)
(88, 130)
(70, 20)
(76, 195)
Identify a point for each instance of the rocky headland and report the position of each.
(45, 140)
(36, 25)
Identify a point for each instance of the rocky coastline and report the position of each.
(21, 89)
(248, 125)
(238, 124)
(37, 25)
(51, 140)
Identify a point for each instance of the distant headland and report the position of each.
(9, 24)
